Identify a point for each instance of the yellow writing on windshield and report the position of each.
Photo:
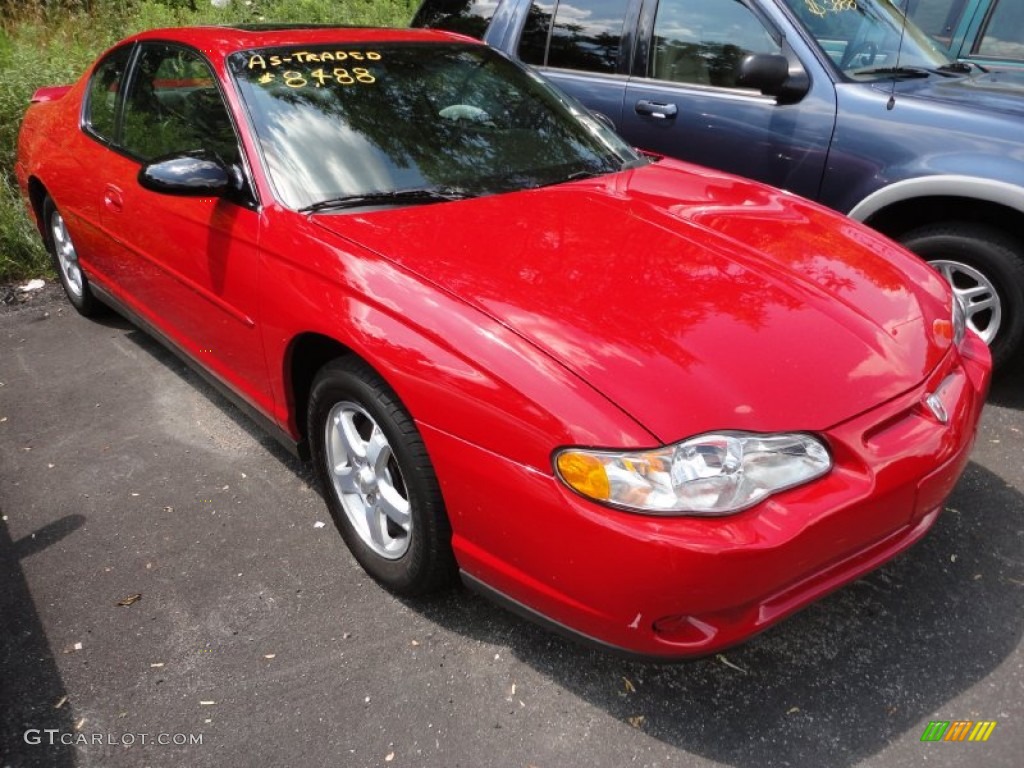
(275, 61)
(319, 77)
(822, 7)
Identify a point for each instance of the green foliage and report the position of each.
(21, 249)
(53, 42)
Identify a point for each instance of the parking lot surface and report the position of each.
(173, 593)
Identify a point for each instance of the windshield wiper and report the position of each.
(639, 162)
(961, 68)
(579, 175)
(437, 195)
(893, 71)
(573, 176)
(591, 173)
(956, 68)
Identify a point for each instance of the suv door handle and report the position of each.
(656, 109)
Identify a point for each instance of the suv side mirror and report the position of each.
(772, 74)
(187, 175)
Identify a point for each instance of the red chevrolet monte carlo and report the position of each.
(652, 405)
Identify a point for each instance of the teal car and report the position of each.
(985, 32)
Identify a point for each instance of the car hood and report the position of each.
(999, 91)
(693, 300)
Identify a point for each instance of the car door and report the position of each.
(683, 99)
(188, 265)
(78, 192)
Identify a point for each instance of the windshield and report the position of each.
(863, 37)
(341, 122)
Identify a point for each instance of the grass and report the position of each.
(53, 43)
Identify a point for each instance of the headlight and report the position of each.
(959, 320)
(713, 474)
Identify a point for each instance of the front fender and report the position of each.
(456, 370)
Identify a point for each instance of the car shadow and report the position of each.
(1008, 387)
(832, 685)
(173, 362)
(30, 682)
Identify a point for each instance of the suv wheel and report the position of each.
(986, 269)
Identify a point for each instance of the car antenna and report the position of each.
(895, 70)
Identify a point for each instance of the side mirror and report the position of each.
(772, 74)
(188, 175)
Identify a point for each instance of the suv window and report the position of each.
(584, 34)
(105, 93)
(173, 106)
(703, 41)
(1003, 37)
(533, 42)
(936, 17)
(467, 17)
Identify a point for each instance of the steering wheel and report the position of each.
(865, 48)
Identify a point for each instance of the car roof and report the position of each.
(228, 39)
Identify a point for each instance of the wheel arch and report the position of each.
(37, 194)
(904, 206)
(306, 354)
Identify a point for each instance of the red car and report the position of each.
(653, 405)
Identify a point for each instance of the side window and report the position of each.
(173, 106)
(533, 44)
(105, 92)
(584, 34)
(467, 17)
(587, 34)
(703, 41)
(1003, 37)
(936, 17)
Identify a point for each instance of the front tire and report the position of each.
(65, 261)
(377, 479)
(986, 269)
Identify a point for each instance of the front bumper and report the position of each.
(676, 587)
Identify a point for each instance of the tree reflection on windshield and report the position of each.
(413, 117)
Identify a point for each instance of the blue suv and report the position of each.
(846, 102)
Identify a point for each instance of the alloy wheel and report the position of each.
(367, 480)
(980, 299)
(67, 256)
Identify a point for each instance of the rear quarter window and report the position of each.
(467, 17)
(105, 92)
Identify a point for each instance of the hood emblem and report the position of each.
(938, 410)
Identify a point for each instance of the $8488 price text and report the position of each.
(320, 77)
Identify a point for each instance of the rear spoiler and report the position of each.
(49, 93)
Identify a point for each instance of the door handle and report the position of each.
(112, 198)
(656, 109)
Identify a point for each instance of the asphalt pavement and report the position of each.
(173, 593)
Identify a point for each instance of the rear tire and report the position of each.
(986, 269)
(377, 479)
(65, 260)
